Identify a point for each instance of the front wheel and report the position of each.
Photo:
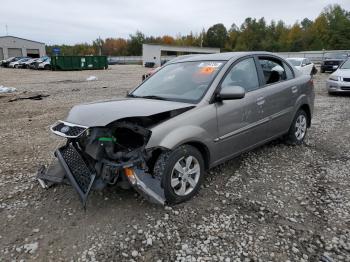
(298, 129)
(181, 172)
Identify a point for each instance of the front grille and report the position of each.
(346, 79)
(82, 174)
(346, 88)
(67, 129)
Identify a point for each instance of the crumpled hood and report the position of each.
(106, 112)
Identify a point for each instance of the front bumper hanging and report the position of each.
(82, 177)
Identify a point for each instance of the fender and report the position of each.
(181, 136)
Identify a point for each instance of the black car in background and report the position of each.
(5, 63)
(332, 61)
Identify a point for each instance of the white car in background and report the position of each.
(339, 81)
(303, 64)
(45, 65)
(16, 64)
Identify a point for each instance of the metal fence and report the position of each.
(130, 60)
(314, 56)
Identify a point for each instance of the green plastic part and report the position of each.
(107, 139)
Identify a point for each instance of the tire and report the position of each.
(298, 130)
(47, 67)
(16, 66)
(322, 70)
(179, 187)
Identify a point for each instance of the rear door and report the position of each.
(280, 92)
(240, 122)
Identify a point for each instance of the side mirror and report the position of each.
(231, 93)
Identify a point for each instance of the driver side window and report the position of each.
(242, 74)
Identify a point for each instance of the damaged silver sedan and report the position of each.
(191, 115)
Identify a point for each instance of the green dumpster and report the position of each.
(78, 62)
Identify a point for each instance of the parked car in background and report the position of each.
(16, 64)
(27, 63)
(191, 115)
(339, 81)
(45, 65)
(147, 75)
(332, 61)
(35, 64)
(303, 64)
(7, 62)
(113, 61)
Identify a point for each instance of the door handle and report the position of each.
(260, 101)
(294, 89)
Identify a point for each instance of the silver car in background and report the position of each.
(191, 115)
(339, 81)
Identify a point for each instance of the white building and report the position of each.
(14, 46)
(153, 53)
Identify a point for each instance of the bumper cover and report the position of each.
(338, 86)
(82, 177)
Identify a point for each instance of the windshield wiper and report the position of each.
(152, 97)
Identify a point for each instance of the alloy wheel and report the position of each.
(300, 127)
(185, 175)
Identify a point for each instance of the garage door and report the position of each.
(33, 53)
(15, 52)
(1, 54)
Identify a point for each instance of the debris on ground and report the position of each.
(91, 78)
(30, 97)
(4, 89)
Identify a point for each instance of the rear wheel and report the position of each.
(47, 67)
(181, 172)
(298, 129)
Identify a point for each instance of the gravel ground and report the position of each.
(276, 203)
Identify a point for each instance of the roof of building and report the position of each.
(22, 39)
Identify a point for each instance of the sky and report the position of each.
(78, 21)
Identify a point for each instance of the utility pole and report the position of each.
(7, 30)
(100, 45)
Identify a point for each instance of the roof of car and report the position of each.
(218, 56)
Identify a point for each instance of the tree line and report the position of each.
(330, 30)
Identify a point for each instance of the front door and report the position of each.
(241, 122)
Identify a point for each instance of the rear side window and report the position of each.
(273, 70)
(242, 74)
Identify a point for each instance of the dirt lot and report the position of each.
(276, 203)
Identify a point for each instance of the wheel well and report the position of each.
(307, 110)
(203, 149)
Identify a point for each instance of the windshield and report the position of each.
(184, 82)
(294, 62)
(346, 64)
(336, 56)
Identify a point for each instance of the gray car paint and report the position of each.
(225, 128)
(105, 112)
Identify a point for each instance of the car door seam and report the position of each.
(253, 125)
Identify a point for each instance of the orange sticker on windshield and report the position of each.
(207, 70)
